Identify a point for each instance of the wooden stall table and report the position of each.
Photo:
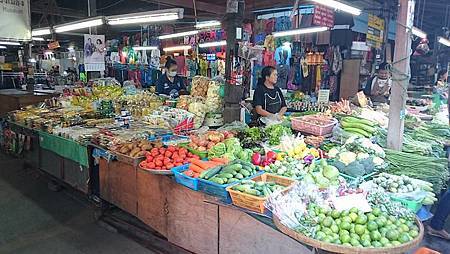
(13, 99)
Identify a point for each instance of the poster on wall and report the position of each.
(375, 32)
(323, 16)
(94, 52)
(15, 21)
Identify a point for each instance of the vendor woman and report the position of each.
(378, 88)
(268, 100)
(170, 83)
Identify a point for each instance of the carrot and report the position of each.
(195, 168)
(221, 160)
(196, 175)
(213, 164)
(201, 164)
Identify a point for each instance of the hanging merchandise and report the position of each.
(155, 57)
(214, 66)
(203, 67)
(181, 65)
(283, 73)
(283, 54)
(269, 43)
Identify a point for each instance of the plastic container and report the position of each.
(304, 124)
(181, 178)
(412, 205)
(352, 178)
(423, 250)
(254, 203)
(219, 190)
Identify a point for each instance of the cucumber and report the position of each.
(218, 180)
(351, 119)
(235, 167)
(247, 164)
(239, 187)
(233, 172)
(233, 180)
(207, 174)
(245, 173)
(358, 131)
(227, 175)
(239, 176)
(360, 126)
(252, 192)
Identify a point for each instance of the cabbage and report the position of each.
(330, 172)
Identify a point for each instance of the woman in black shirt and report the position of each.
(170, 83)
(268, 100)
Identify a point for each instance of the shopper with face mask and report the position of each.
(378, 88)
(170, 83)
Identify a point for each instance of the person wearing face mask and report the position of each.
(170, 83)
(378, 88)
(268, 100)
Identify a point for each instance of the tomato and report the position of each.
(178, 159)
(183, 150)
(182, 155)
(154, 150)
(151, 165)
(172, 149)
(189, 154)
(170, 165)
(154, 154)
(174, 155)
(149, 159)
(166, 160)
(162, 150)
(164, 168)
(144, 164)
(189, 173)
(158, 163)
(177, 164)
(160, 157)
(196, 157)
(158, 168)
(168, 154)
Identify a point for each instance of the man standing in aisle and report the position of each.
(378, 88)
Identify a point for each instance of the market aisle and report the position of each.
(35, 220)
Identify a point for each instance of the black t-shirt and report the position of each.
(271, 100)
(165, 86)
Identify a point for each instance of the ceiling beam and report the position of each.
(201, 6)
(65, 12)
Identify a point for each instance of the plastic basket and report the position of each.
(181, 178)
(219, 190)
(352, 178)
(412, 205)
(254, 203)
(302, 124)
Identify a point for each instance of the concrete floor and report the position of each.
(35, 220)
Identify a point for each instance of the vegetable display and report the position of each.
(322, 174)
(275, 132)
(257, 188)
(359, 127)
(233, 172)
(137, 148)
(206, 141)
(166, 158)
(289, 167)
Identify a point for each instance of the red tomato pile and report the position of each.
(167, 158)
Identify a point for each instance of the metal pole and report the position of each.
(401, 74)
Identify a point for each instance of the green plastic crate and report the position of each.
(412, 205)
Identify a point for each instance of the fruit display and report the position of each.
(289, 167)
(353, 227)
(204, 142)
(258, 188)
(166, 158)
(322, 174)
(358, 126)
(233, 172)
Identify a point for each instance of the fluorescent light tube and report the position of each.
(175, 35)
(41, 31)
(419, 33)
(2, 47)
(205, 24)
(300, 31)
(9, 43)
(146, 17)
(212, 44)
(178, 48)
(441, 40)
(137, 48)
(340, 6)
(86, 23)
(37, 39)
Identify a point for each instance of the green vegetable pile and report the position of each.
(234, 172)
(365, 230)
(258, 188)
(410, 145)
(275, 132)
(289, 167)
(429, 169)
(230, 149)
(322, 174)
(377, 197)
(358, 126)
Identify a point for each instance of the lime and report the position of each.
(337, 241)
(345, 238)
(404, 228)
(414, 228)
(392, 235)
(387, 245)
(338, 221)
(402, 221)
(321, 216)
(383, 230)
(362, 219)
(413, 234)
(353, 216)
(372, 225)
(343, 232)
(366, 237)
(347, 219)
(391, 218)
(318, 228)
(344, 213)
(384, 241)
(388, 222)
(410, 224)
(376, 211)
(334, 236)
(327, 222)
(366, 243)
(354, 242)
(377, 244)
(397, 223)
(360, 229)
(327, 231)
(327, 239)
(347, 244)
(334, 228)
(335, 214)
(354, 210)
(404, 238)
(395, 243)
(345, 225)
(355, 236)
(370, 217)
(381, 221)
(375, 235)
(320, 235)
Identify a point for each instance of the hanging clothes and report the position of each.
(203, 67)
(283, 55)
(283, 74)
(318, 78)
(269, 43)
(214, 68)
(269, 58)
(192, 67)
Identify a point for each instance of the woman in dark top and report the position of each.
(170, 83)
(268, 100)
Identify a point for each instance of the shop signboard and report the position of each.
(375, 31)
(94, 52)
(323, 16)
(15, 20)
(53, 45)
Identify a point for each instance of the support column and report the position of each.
(92, 12)
(401, 74)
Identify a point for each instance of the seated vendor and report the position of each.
(268, 100)
(170, 83)
(378, 88)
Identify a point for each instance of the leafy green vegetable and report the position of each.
(275, 132)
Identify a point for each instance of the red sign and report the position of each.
(323, 16)
(53, 45)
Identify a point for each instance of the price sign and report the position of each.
(323, 16)
(323, 96)
(375, 31)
